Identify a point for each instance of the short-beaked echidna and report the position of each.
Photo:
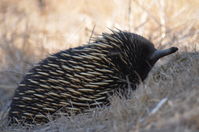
(84, 77)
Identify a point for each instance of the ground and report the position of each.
(166, 101)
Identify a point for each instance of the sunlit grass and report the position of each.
(30, 30)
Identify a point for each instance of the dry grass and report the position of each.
(30, 30)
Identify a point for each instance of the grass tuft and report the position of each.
(33, 29)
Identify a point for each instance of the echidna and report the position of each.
(84, 77)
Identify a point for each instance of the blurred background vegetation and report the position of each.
(32, 29)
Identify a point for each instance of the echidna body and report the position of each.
(80, 78)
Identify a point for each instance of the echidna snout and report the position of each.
(161, 53)
(77, 79)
